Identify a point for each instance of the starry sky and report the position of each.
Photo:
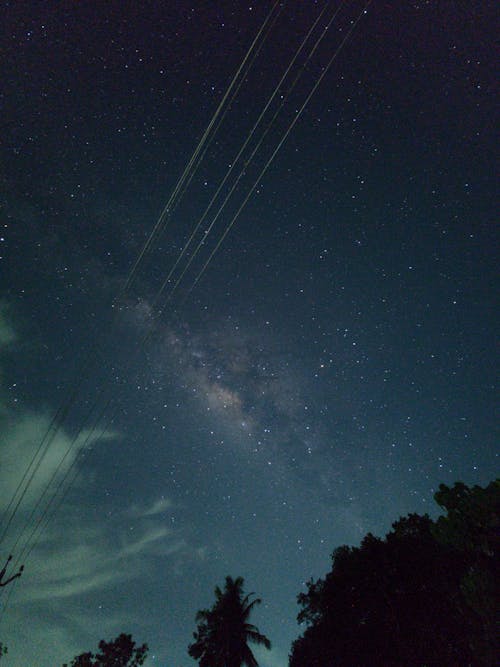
(332, 364)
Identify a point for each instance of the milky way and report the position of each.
(332, 365)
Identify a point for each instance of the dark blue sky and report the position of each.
(335, 362)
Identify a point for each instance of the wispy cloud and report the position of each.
(92, 557)
(45, 461)
(79, 573)
(148, 541)
(35, 457)
(157, 507)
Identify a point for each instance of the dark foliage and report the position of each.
(472, 526)
(223, 632)
(122, 652)
(424, 595)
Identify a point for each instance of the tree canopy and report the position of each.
(121, 652)
(223, 632)
(424, 595)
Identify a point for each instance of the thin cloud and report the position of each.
(88, 557)
(157, 507)
(22, 435)
(34, 459)
(145, 543)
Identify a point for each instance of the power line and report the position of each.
(233, 163)
(278, 147)
(193, 161)
(62, 412)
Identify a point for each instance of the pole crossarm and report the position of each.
(11, 578)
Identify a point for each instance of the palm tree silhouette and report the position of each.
(223, 632)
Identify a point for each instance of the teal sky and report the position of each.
(333, 364)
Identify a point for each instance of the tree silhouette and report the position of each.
(121, 652)
(472, 525)
(425, 595)
(223, 632)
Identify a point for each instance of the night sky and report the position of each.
(334, 362)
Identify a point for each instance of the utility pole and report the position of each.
(14, 576)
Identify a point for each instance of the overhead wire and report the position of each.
(58, 419)
(274, 93)
(285, 135)
(63, 410)
(266, 131)
(37, 458)
(278, 147)
(45, 517)
(194, 157)
(58, 468)
(222, 116)
(233, 164)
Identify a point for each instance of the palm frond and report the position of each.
(257, 638)
(248, 658)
